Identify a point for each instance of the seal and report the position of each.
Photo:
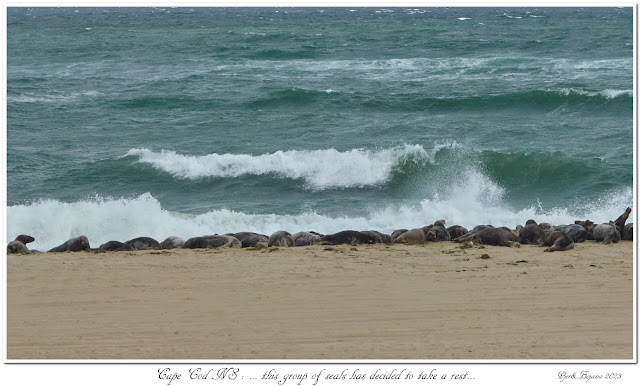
(250, 239)
(377, 236)
(24, 239)
(577, 232)
(558, 241)
(621, 220)
(17, 247)
(607, 233)
(437, 233)
(412, 236)
(532, 233)
(471, 235)
(172, 242)
(212, 241)
(76, 244)
(456, 231)
(305, 238)
(386, 239)
(143, 243)
(347, 237)
(397, 233)
(281, 239)
(114, 246)
(628, 232)
(439, 223)
(589, 226)
(502, 236)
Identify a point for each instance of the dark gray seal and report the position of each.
(143, 243)
(472, 234)
(17, 247)
(251, 239)
(577, 232)
(456, 231)
(172, 242)
(628, 232)
(589, 226)
(412, 236)
(212, 241)
(558, 241)
(348, 237)
(437, 233)
(502, 236)
(621, 220)
(532, 233)
(305, 238)
(281, 239)
(439, 223)
(377, 236)
(73, 245)
(24, 239)
(607, 233)
(386, 239)
(111, 246)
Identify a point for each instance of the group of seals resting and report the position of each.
(558, 238)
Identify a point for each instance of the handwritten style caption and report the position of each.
(312, 378)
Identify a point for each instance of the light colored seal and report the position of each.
(17, 247)
(76, 244)
(305, 238)
(281, 239)
(397, 233)
(172, 242)
(412, 236)
(437, 233)
(496, 236)
(607, 233)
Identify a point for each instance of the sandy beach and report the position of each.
(432, 301)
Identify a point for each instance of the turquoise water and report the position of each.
(126, 122)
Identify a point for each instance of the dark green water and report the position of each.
(189, 121)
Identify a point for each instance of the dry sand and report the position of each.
(433, 301)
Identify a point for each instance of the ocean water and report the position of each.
(127, 122)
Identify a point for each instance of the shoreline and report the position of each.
(432, 301)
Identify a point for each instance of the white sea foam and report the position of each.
(25, 98)
(320, 169)
(474, 200)
(608, 93)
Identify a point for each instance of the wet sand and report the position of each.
(433, 301)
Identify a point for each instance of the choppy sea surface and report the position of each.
(127, 122)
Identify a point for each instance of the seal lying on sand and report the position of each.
(305, 238)
(397, 233)
(628, 232)
(114, 246)
(412, 236)
(172, 242)
(17, 247)
(380, 237)
(471, 235)
(495, 236)
(281, 239)
(348, 237)
(577, 232)
(143, 243)
(213, 241)
(437, 233)
(532, 233)
(589, 226)
(73, 245)
(558, 241)
(607, 233)
(456, 231)
(251, 239)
